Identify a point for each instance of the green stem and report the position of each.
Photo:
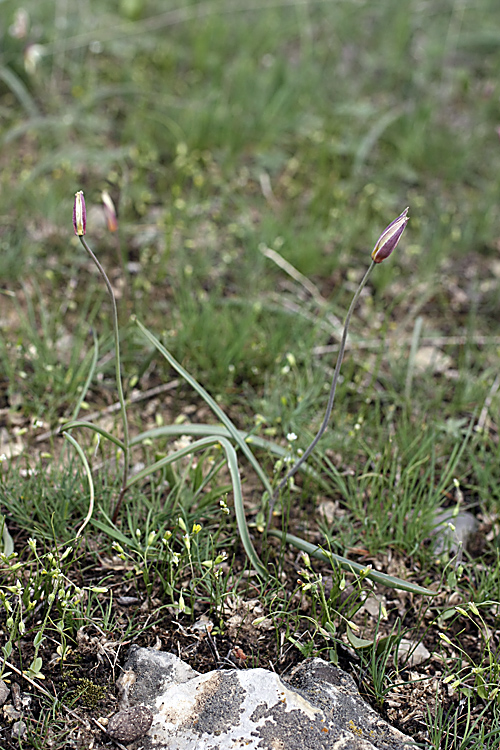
(121, 398)
(331, 397)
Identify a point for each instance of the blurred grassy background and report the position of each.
(220, 129)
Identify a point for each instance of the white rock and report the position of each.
(317, 708)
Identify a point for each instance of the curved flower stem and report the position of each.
(121, 398)
(331, 397)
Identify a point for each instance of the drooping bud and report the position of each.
(19, 28)
(109, 211)
(390, 237)
(79, 214)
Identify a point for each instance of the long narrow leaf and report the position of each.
(221, 431)
(232, 462)
(6, 541)
(86, 466)
(211, 403)
(314, 551)
(95, 428)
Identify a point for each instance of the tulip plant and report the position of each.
(384, 247)
(226, 435)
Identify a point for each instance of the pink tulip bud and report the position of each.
(19, 28)
(79, 214)
(109, 211)
(390, 238)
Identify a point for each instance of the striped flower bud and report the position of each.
(390, 238)
(109, 211)
(79, 214)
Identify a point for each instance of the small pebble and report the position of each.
(26, 701)
(18, 730)
(127, 601)
(4, 692)
(16, 696)
(414, 652)
(131, 724)
(10, 712)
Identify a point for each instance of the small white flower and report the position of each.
(291, 437)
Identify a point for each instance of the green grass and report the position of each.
(222, 129)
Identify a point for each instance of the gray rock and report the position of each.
(10, 713)
(131, 724)
(453, 533)
(317, 708)
(4, 692)
(18, 730)
(147, 673)
(412, 653)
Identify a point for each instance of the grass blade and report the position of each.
(90, 375)
(19, 90)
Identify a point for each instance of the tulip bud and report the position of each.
(109, 211)
(33, 53)
(390, 238)
(79, 214)
(19, 28)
